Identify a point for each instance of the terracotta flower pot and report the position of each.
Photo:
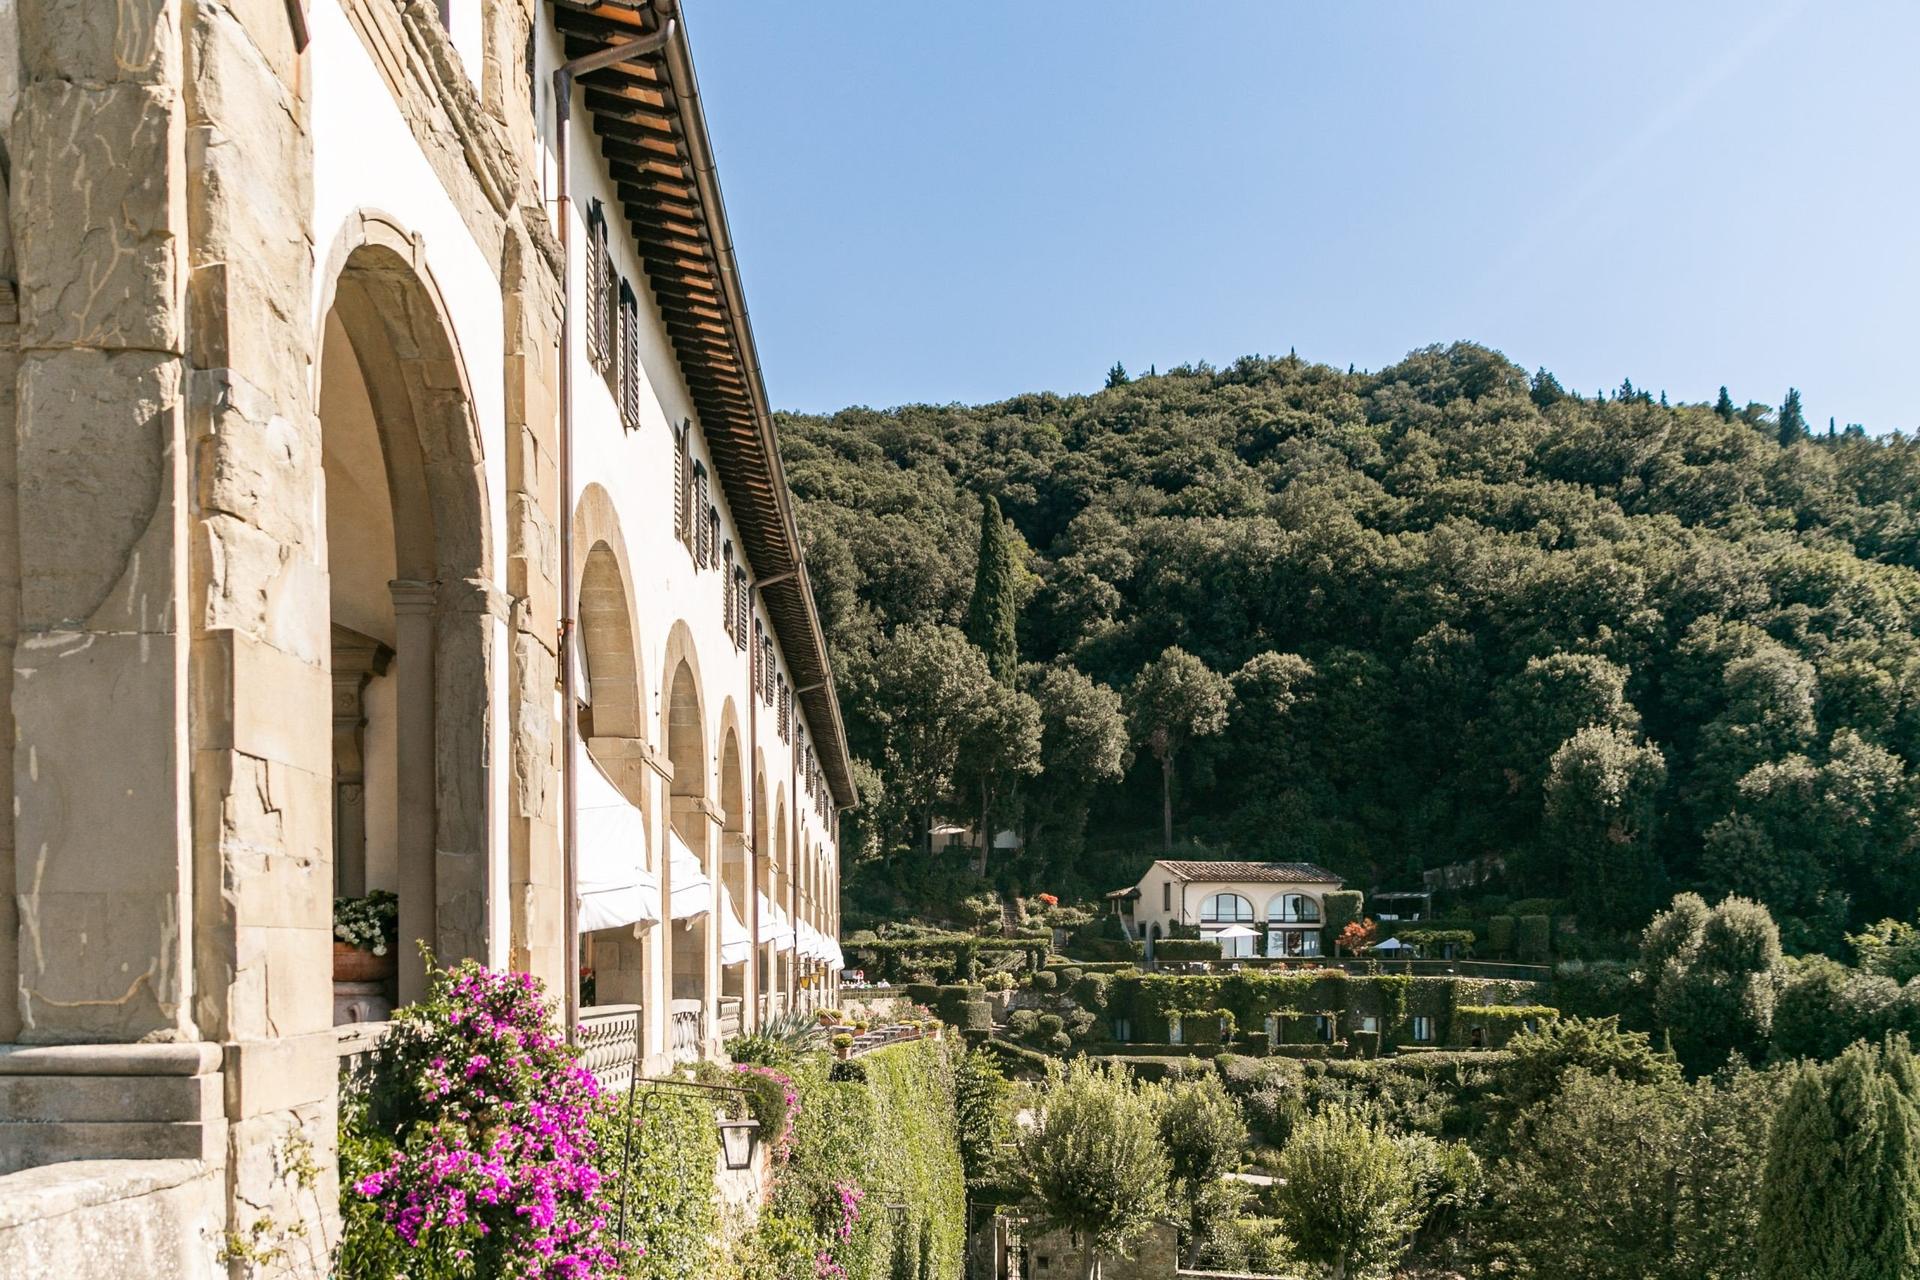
(356, 964)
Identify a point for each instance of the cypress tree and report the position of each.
(1117, 376)
(1793, 423)
(1724, 406)
(991, 615)
(1840, 1196)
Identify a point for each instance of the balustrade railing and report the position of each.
(730, 1010)
(609, 1042)
(355, 1043)
(687, 1028)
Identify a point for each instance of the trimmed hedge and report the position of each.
(1500, 936)
(1500, 1023)
(1181, 950)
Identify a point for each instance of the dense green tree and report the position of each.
(923, 693)
(993, 614)
(1618, 1180)
(1083, 744)
(1793, 420)
(1601, 790)
(1349, 1193)
(1840, 1197)
(1889, 948)
(1175, 699)
(1539, 1060)
(1418, 535)
(1092, 1160)
(1714, 978)
(999, 747)
(1117, 376)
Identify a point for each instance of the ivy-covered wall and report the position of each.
(1301, 999)
(874, 1185)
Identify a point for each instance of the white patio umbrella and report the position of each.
(1393, 944)
(1237, 931)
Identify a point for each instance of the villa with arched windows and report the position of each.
(1252, 909)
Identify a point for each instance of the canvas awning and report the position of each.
(811, 943)
(615, 886)
(736, 944)
(774, 926)
(692, 891)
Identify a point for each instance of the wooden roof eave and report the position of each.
(653, 136)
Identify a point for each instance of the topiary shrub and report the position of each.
(1046, 980)
(1092, 990)
(1500, 936)
(1339, 909)
(1533, 935)
(1059, 1042)
(1022, 1022)
(978, 1016)
(1184, 950)
(1050, 1023)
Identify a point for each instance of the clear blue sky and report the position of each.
(939, 202)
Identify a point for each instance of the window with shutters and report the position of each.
(702, 547)
(726, 589)
(599, 271)
(697, 517)
(766, 670)
(682, 479)
(629, 358)
(741, 606)
(713, 538)
(785, 728)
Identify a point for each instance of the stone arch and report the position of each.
(684, 743)
(733, 867)
(609, 624)
(411, 600)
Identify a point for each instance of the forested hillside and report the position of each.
(1386, 621)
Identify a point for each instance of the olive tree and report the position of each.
(1093, 1160)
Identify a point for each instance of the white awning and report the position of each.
(807, 942)
(835, 959)
(774, 927)
(736, 944)
(615, 886)
(692, 891)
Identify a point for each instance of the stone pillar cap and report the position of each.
(189, 1058)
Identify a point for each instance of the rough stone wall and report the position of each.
(98, 210)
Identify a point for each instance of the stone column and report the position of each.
(356, 660)
(99, 672)
(417, 789)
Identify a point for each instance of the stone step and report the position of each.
(99, 1099)
(25, 1144)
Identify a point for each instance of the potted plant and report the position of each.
(365, 932)
(843, 1046)
(828, 1017)
(860, 1026)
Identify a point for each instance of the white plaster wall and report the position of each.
(636, 469)
(1148, 911)
(364, 157)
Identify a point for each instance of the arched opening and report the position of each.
(764, 955)
(783, 895)
(1293, 925)
(407, 567)
(611, 711)
(1228, 918)
(689, 941)
(733, 874)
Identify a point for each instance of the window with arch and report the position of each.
(1293, 908)
(1226, 908)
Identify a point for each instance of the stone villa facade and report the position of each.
(388, 476)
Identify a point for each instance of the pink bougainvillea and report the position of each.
(493, 1163)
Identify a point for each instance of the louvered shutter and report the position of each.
(598, 267)
(680, 483)
(629, 358)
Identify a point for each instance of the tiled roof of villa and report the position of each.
(1257, 872)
